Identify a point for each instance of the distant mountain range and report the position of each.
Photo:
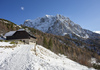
(59, 25)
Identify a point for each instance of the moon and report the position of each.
(22, 8)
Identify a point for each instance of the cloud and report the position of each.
(22, 8)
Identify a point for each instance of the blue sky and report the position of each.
(86, 13)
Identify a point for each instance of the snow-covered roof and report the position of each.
(10, 33)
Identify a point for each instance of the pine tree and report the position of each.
(50, 45)
(45, 42)
(11, 26)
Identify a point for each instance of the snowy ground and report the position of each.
(5, 44)
(23, 57)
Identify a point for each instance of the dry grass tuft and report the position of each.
(13, 46)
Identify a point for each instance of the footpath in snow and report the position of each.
(23, 57)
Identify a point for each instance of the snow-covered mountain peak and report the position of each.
(27, 20)
(58, 25)
(48, 16)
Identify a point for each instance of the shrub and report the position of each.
(1, 40)
(96, 66)
(12, 42)
(5, 41)
(10, 46)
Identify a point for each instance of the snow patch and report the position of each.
(94, 61)
(97, 32)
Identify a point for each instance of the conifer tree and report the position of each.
(45, 42)
(50, 45)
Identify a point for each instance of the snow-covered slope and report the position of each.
(58, 25)
(23, 57)
(97, 32)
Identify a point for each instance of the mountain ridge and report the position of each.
(57, 25)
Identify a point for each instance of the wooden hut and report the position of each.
(21, 35)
